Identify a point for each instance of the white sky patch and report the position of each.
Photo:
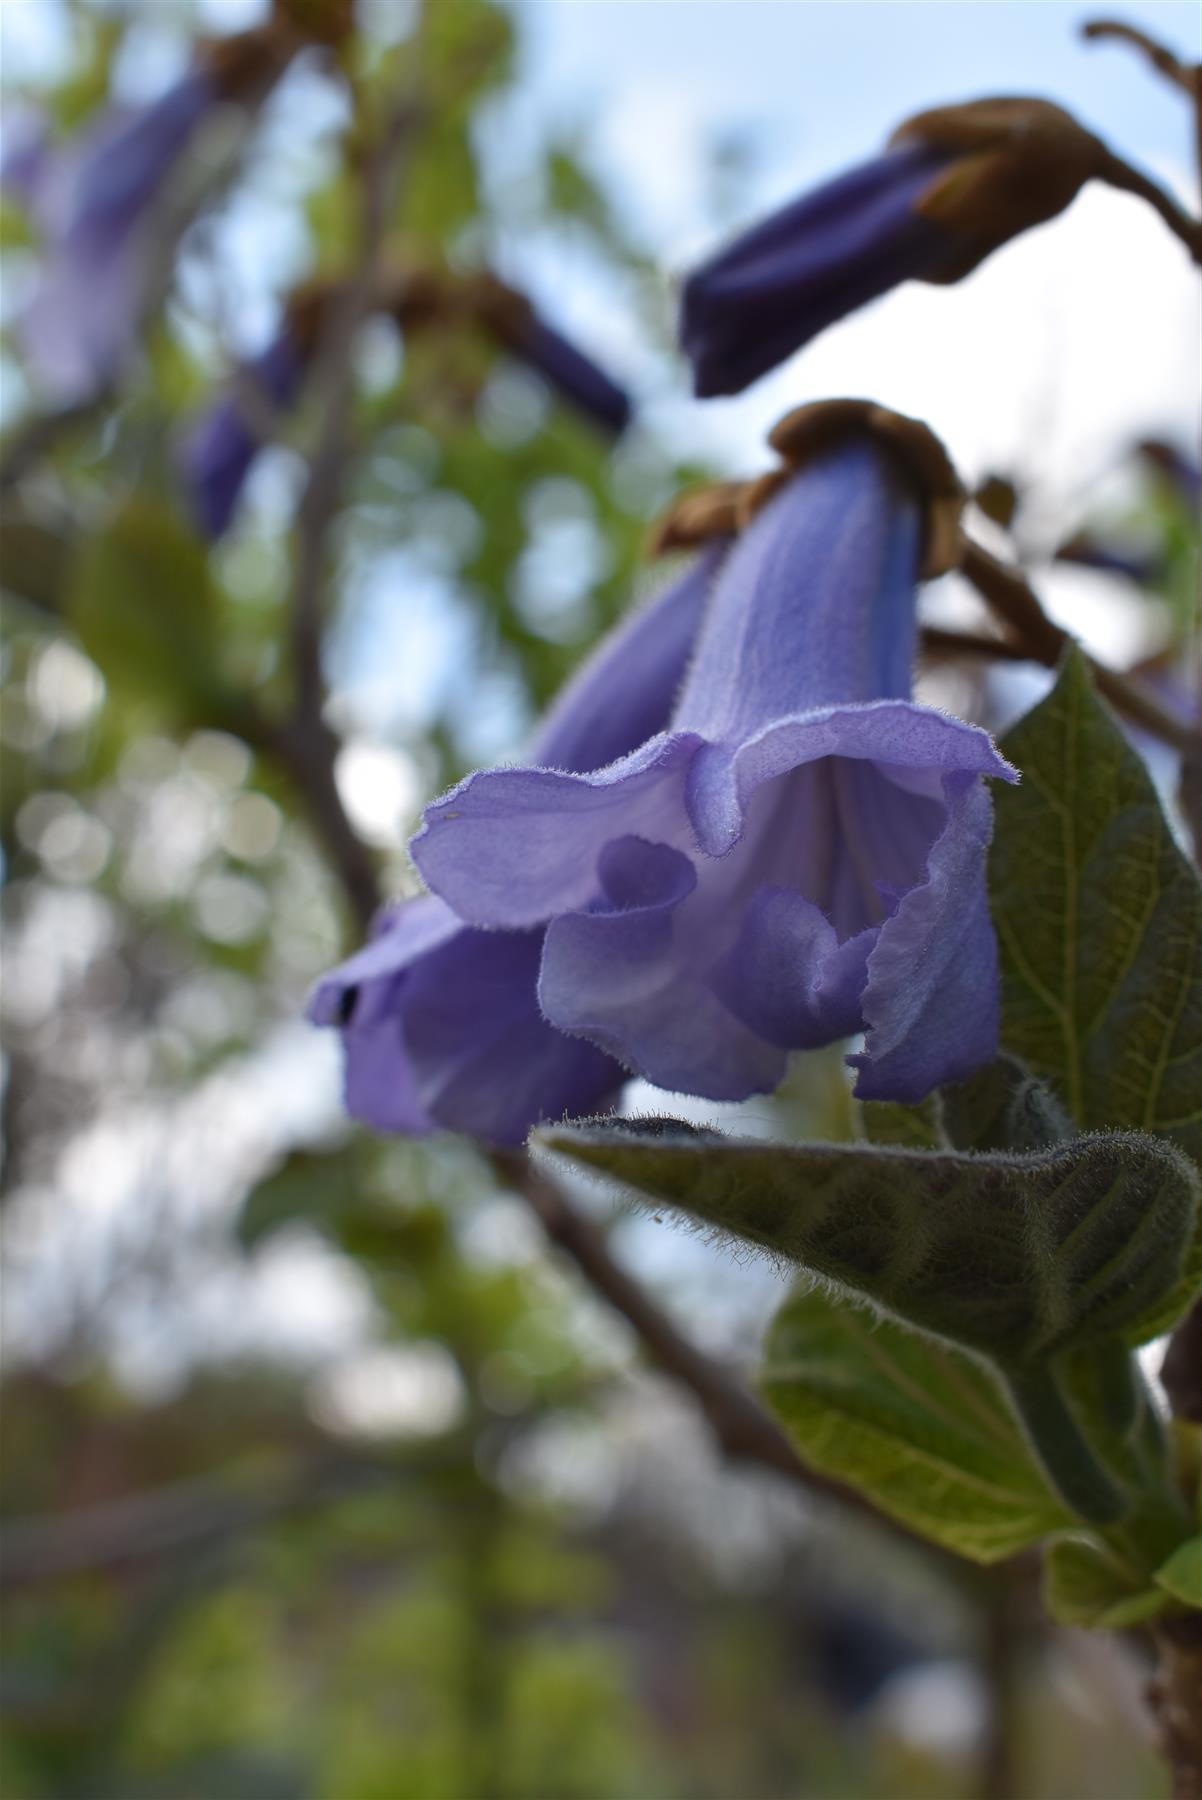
(380, 789)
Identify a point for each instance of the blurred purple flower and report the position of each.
(92, 200)
(573, 375)
(441, 1023)
(818, 259)
(568, 370)
(1145, 567)
(953, 185)
(799, 858)
(219, 448)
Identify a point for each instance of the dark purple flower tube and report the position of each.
(93, 201)
(818, 259)
(799, 858)
(219, 448)
(573, 375)
(953, 185)
(440, 1021)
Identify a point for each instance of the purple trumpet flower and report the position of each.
(952, 186)
(218, 450)
(441, 1023)
(800, 857)
(94, 201)
(815, 261)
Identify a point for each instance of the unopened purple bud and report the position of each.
(813, 262)
(218, 450)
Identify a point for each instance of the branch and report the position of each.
(741, 1427)
(1161, 59)
(1014, 602)
(334, 381)
(35, 437)
(1120, 174)
(1186, 77)
(185, 1514)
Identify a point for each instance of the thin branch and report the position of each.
(334, 381)
(172, 1518)
(33, 439)
(741, 1427)
(1181, 74)
(1186, 77)
(1121, 174)
(1014, 602)
(938, 643)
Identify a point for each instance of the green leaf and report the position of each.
(1001, 1107)
(1015, 1257)
(1099, 922)
(1085, 1583)
(905, 1127)
(143, 607)
(918, 1427)
(1181, 1575)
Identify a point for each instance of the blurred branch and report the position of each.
(308, 750)
(187, 1513)
(1012, 599)
(334, 382)
(35, 437)
(743, 1430)
(1165, 63)
(1122, 175)
(1185, 76)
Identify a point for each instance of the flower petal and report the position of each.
(789, 978)
(627, 976)
(893, 733)
(931, 1003)
(484, 1059)
(513, 847)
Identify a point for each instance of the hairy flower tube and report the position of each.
(800, 857)
(440, 1022)
(952, 186)
(95, 201)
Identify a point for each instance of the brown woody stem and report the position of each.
(1013, 601)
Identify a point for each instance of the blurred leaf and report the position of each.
(1085, 1583)
(918, 1427)
(1181, 1575)
(35, 561)
(143, 605)
(311, 1185)
(1016, 1257)
(1099, 921)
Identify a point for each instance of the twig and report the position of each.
(1120, 174)
(1161, 59)
(1185, 76)
(742, 1428)
(35, 437)
(937, 642)
(168, 1519)
(333, 379)
(1012, 599)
